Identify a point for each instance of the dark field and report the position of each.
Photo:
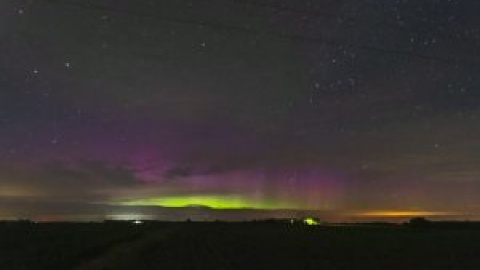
(191, 245)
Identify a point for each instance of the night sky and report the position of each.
(113, 108)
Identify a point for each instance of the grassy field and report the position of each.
(193, 245)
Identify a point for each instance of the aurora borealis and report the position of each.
(110, 107)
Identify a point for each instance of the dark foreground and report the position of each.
(235, 246)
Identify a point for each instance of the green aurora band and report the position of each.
(211, 201)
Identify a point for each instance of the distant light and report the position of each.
(310, 221)
(138, 222)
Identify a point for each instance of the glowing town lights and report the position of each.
(401, 213)
(131, 217)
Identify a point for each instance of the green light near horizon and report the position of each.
(311, 221)
(211, 201)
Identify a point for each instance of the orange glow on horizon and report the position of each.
(7, 191)
(400, 214)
